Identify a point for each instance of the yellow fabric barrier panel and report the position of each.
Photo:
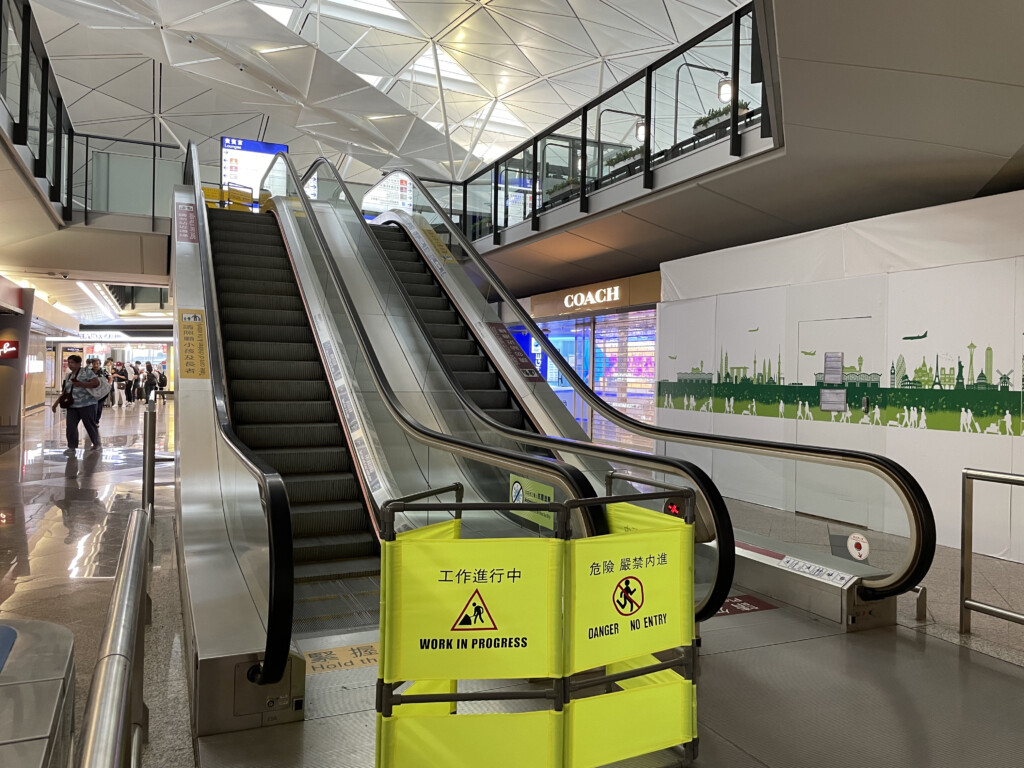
(604, 729)
(521, 740)
(630, 595)
(471, 610)
(624, 517)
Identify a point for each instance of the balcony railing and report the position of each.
(82, 173)
(707, 91)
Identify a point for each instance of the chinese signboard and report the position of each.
(195, 360)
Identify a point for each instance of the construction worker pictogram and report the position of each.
(628, 596)
(475, 617)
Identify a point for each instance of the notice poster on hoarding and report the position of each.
(243, 164)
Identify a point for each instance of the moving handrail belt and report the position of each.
(916, 506)
(711, 501)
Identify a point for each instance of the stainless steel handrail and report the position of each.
(967, 603)
(921, 521)
(116, 719)
(273, 492)
(567, 477)
(713, 504)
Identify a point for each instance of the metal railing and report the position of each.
(116, 721)
(967, 603)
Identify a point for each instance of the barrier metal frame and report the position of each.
(967, 603)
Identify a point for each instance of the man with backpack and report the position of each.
(161, 382)
(139, 380)
(102, 389)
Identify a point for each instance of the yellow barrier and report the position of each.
(503, 609)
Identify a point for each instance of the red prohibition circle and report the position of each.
(627, 598)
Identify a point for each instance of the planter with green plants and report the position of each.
(719, 115)
(563, 189)
(623, 157)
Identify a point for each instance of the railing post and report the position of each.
(735, 145)
(538, 187)
(85, 192)
(149, 454)
(44, 109)
(69, 205)
(966, 549)
(584, 200)
(21, 127)
(648, 127)
(153, 199)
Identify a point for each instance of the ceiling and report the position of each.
(358, 81)
(884, 114)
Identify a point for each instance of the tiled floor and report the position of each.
(62, 524)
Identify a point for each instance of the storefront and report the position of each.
(606, 331)
(115, 345)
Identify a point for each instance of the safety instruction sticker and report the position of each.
(523, 490)
(341, 659)
(629, 596)
(472, 609)
(195, 358)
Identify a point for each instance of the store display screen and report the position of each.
(244, 162)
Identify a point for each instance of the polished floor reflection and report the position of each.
(62, 524)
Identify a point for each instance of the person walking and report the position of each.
(129, 385)
(80, 383)
(102, 390)
(150, 381)
(120, 381)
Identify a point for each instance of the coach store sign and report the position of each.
(597, 297)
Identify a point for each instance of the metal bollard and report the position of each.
(149, 456)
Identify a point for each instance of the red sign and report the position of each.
(513, 350)
(743, 604)
(186, 226)
(9, 350)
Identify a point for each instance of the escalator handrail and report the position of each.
(698, 477)
(912, 496)
(273, 493)
(572, 481)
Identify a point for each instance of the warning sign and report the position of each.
(472, 609)
(195, 360)
(630, 596)
(523, 490)
(474, 617)
(515, 352)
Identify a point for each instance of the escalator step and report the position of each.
(454, 331)
(388, 232)
(266, 287)
(287, 389)
(275, 370)
(342, 569)
(342, 545)
(314, 489)
(440, 317)
(240, 238)
(252, 262)
(245, 316)
(432, 290)
(256, 301)
(290, 435)
(282, 334)
(282, 412)
(467, 362)
(510, 417)
(270, 251)
(266, 350)
(477, 379)
(231, 272)
(403, 250)
(416, 278)
(431, 302)
(457, 346)
(410, 267)
(309, 610)
(490, 399)
(253, 224)
(292, 461)
(318, 519)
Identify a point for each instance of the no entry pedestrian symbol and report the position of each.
(475, 617)
(628, 596)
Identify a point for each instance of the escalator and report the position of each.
(281, 408)
(462, 351)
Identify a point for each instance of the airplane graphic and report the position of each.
(916, 338)
(812, 353)
(754, 330)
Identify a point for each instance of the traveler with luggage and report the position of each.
(120, 381)
(77, 398)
